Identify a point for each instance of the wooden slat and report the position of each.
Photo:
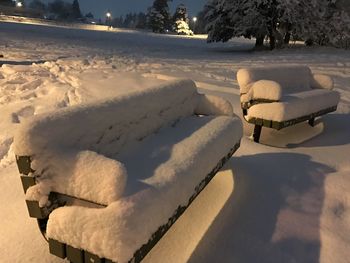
(74, 255)
(35, 210)
(57, 248)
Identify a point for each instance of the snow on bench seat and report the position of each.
(294, 105)
(162, 174)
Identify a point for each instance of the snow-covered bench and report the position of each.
(107, 180)
(279, 96)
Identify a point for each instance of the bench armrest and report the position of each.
(85, 175)
(213, 105)
(320, 81)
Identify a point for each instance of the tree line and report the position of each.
(320, 22)
(58, 8)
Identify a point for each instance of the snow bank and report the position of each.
(163, 172)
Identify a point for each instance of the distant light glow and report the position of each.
(19, 4)
(108, 14)
(194, 19)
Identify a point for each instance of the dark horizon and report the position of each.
(118, 7)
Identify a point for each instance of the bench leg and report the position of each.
(312, 122)
(257, 132)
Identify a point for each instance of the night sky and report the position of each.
(122, 7)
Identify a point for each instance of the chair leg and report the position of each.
(257, 132)
(312, 122)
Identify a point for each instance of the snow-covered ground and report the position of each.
(269, 204)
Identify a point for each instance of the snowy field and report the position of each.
(284, 200)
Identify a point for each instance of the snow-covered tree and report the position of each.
(37, 5)
(141, 20)
(182, 28)
(89, 15)
(338, 25)
(311, 20)
(181, 13)
(159, 16)
(60, 8)
(7, 2)
(156, 21)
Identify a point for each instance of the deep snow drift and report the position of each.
(269, 204)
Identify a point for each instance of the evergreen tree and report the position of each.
(7, 2)
(76, 13)
(156, 21)
(277, 19)
(159, 16)
(130, 20)
(118, 21)
(182, 28)
(60, 8)
(181, 13)
(37, 5)
(89, 15)
(141, 21)
(202, 22)
(220, 26)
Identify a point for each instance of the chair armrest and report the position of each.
(213, 105)
(266, 90)
(320, 81)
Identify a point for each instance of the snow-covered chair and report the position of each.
(107, 180)
(280, 96)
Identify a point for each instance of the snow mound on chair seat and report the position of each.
(86, 175)
(163, 172)
(295, 105)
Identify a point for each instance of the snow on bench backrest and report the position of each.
(291, 78)
(109, 126)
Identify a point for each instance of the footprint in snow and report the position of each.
(22, 114)
(339, 210)
(31, 85)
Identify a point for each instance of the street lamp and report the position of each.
(19, 4)
(194, 19)
(109, 19)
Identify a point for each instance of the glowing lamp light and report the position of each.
(194, 19)
(108, 14)
(19, 4)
